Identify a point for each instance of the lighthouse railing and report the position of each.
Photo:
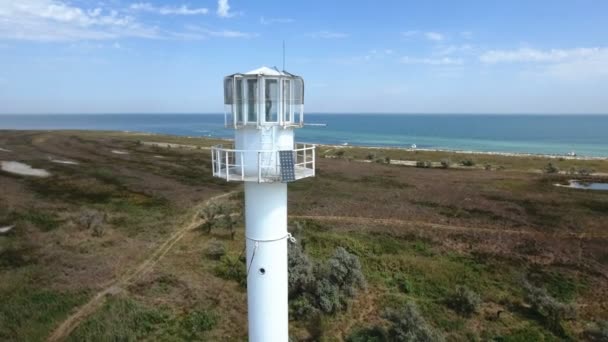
(260, 165)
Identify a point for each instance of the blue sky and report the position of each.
(110, 56)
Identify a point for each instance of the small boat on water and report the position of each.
(345, 144)
(571, 154)
(414, 146)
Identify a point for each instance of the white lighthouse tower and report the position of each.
(264, 106)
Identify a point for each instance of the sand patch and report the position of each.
(5, 150)
(119, 152)
(23, 169)
(160, 157)
(69, 162)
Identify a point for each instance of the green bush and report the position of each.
(464, 301)
(232, 268)
(215, 250)
(373, 334)
(445, 163)
(550, 168)
(196, 323)
(553, 311)
(325, 288)
(597, 332)
(423, 164)
(467, 162)
(407, 324)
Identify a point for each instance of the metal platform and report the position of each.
(268, 166)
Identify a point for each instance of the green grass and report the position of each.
(29, 314)
(126, 319)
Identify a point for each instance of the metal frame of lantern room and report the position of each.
(263, 99)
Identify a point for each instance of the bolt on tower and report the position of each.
(264, 106)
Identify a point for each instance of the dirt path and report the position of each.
(68, 325)
(418, 224)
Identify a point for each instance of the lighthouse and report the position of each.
(264, 106)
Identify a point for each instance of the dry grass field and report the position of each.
(110, 247)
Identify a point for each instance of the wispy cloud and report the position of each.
(328, 35)
(434, 36)
(270, 21)
(65, 21)
(570, 64)
(168, 10)
(432, 61)
(194, 32)
(429, 35)
(528, 55)
(223, 9)
(444, 50)
(54, 20)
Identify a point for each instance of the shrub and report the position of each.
(553, 311)
(94, 220)
(423, 164)
(467, 162)
(487, 167)
(464, 301)
(584, 171)
(445, 163)
(300, 269)
(232, 268)
(340, 153)
(209, 214)
(228, 219)
(371, 156)
(407, 324)
(215, 250)
(550, 168)
(324, 288)
(598, 331)
(195, 323)
(372, 334)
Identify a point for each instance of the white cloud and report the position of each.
(568, 64)
(328, 35)
(196, 33)
(528, 55)
(55, 20)
(432, 61)
(168, 10)
(453, 49)
(434, 36)
(223, 9)
(270, 21)
(429, 35)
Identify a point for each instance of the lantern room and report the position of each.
(264, 97)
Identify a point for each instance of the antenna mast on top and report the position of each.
(283, 55)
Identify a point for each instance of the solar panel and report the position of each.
(288, 172)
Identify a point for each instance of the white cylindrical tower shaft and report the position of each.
(267, 281)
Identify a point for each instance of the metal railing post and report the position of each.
(314, 150)
(242, 166)
(213, 161)
(227, 167)
(259, 167)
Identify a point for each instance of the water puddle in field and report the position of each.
(23, 169)
(575, 184)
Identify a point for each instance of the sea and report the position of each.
(585, 135)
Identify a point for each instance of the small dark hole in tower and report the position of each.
(262, 271)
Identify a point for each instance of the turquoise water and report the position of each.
(587, 135)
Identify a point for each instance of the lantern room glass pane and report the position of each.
(287, 113)
(271, 99)
(252, 108)
(238, 100)
(228, 99)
